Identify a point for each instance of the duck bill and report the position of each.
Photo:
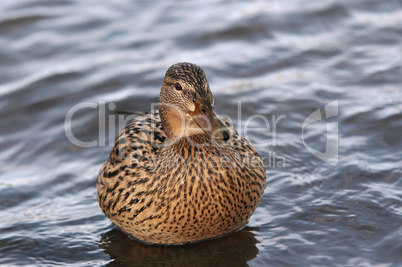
(209, 121)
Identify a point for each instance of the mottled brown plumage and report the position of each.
(181, 174)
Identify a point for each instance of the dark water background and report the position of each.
(279, 58)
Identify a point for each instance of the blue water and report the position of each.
(279, 61)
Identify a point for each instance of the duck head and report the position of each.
(186, 104)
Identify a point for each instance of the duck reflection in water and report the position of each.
(233, 250)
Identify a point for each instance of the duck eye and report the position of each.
(178, 87)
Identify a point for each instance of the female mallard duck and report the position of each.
(182, 174)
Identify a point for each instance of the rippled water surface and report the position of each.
(281, 60)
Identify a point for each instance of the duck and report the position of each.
(181, 173)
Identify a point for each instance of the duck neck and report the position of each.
(176, 124)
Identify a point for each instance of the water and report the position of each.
(281, 59)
